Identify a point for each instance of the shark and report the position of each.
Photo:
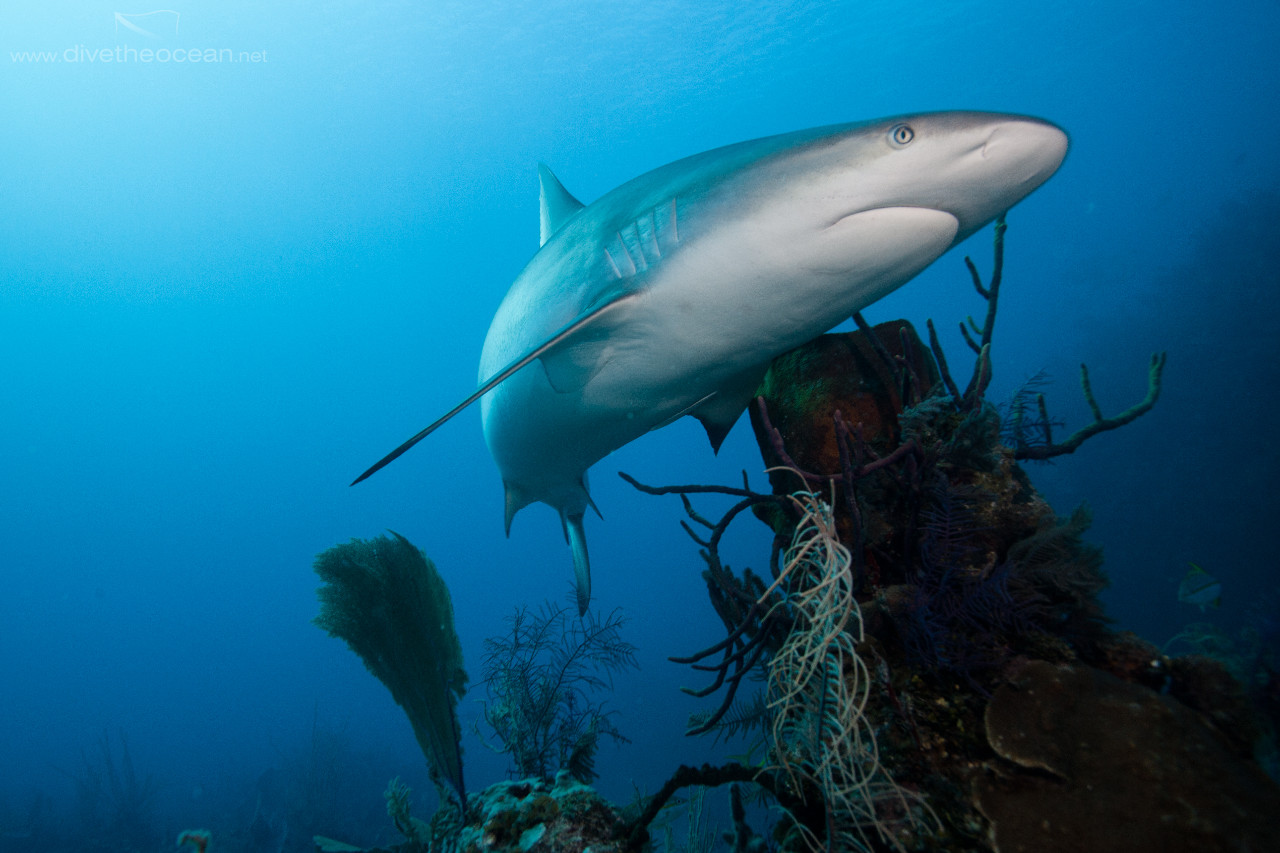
(670, 295)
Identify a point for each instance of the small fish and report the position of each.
(1200, 588)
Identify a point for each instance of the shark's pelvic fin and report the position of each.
(717, 431)
(719, 412)
(555, 203)
(566, 334)
(577, 537)
(590, 502)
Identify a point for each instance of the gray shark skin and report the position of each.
(670, 295)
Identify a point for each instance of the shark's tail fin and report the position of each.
(577, 537)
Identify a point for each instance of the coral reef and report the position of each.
(978, 620)
(386, 600)
(939, 673)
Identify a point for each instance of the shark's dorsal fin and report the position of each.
(555, 203)
(565, 334)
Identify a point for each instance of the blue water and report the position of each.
(228, 287)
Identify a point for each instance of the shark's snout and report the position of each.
(1031, 148)
(1011, 157)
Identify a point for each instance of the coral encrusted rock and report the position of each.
(1099, 764)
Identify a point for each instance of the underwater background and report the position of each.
(226, 288)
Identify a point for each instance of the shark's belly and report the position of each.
(719, 313)
(706, 323)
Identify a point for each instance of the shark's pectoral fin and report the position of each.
(577, 538)
(719, 412)
(566, 335)
(556, 205)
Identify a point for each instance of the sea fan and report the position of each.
(388, 602)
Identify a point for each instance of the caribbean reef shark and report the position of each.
(670, 295)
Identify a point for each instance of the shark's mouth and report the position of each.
(884, 244)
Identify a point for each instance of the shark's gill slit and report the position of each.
(653, 234)
(626, 250)
(634, 244)
(617, 273)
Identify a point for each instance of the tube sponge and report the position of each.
(386, 600)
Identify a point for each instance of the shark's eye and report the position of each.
(901, 134)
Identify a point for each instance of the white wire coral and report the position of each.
(818, 688)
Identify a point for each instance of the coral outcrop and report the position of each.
(1005, 710)
(1004, 698)
(534, 816)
